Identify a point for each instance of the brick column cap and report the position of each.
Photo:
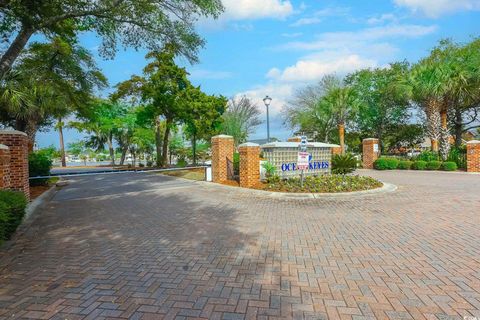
(15, 132)
(4, 147)
(370, 139)
(474, 142)
(248, 145)
(222, 136)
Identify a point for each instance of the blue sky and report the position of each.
(276, 46)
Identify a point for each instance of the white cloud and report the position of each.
(319, 15)
(386, 17)
(292, 35)
(332, 40)
(311, 70)
(255, 9)
(436, 8)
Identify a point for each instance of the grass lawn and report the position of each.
(191, 174)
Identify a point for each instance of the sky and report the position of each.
(273, 47)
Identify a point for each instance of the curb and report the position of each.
(386, 188)
(39, 201)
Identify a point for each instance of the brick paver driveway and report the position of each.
(152, 247)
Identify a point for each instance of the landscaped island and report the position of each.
(322, 184)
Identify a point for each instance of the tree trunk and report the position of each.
(434, 122)
(15, 49)
(124, 154)
(158, 142)
(31, 131)
(62, 143)
(110, 148)
(444, 135)
(165, 143)
(458, 127)
(341, 135)
(194, 149)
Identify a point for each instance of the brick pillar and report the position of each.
(249, 164)
(222, 149)
(371, 152)
(473, 156)
(4, 167)
(336, 150)
(17, 142)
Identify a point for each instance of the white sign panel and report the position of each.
(303, 160)
(375, 147)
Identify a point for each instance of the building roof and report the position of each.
(297, 144)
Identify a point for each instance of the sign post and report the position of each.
(303, 158)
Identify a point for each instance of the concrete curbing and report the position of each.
(386, 188)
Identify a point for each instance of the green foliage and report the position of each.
(449, 166)
(344, 164)
(236, 163)
(181, 163)
(386, 164)
(404, 135)
(130, 23)
(39, 164)
(459, 156)
(149, 163)
(270, 171)
(12, 210)
(325, 184)
(405, 165)
(434, 165)
(419, 165)
(240, 119)
(428, 156)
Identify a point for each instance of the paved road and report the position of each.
(151, 247)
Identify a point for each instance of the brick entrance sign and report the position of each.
(249, 164)
(17, 143)
(473, 156)
(222, 149)
(371, 152)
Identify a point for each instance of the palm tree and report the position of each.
(343, 104)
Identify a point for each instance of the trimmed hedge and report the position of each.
(419, 165)
(12, 210)
(39, 164)
(386, 164)
(434, 165)
(449, 166)
(405, 165)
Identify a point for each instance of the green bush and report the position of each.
(449, 166)
(405, 165)
(386, 164)
(434, 165)
(419, 165)
(236, 163)
(39, 164)
(428, 156)
(459, 156)
(270, 172)
(182, 163)
(149, 163)
(343, 164)
(12, 210)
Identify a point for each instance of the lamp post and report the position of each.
(267, 100)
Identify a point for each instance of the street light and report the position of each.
(267, 100)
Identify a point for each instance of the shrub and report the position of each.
(428, 156)
(12, 210)
(459, 156)
(182, 163)
(419, 165)
(405, 165)
(434, 165)
(149, 163)
(343, 164)
(270, 171)
(39, 164)
(236, 163)
(141, 165)
(449, 166)
(386, 163)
